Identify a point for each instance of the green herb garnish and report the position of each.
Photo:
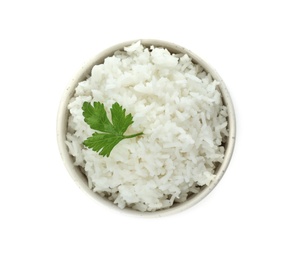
(110, 133)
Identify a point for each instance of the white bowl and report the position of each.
(84, 73)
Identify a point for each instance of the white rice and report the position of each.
(178, 107)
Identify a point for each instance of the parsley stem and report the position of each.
(134, 135)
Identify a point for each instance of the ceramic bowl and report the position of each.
(84, 73)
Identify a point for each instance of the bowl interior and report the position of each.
(77, 173)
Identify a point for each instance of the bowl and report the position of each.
(76, 173)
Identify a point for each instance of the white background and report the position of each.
(43, 213)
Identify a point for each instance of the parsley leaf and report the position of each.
(109, 134)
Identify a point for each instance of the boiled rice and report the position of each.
(178, 107)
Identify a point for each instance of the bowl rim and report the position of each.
(84, 73)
